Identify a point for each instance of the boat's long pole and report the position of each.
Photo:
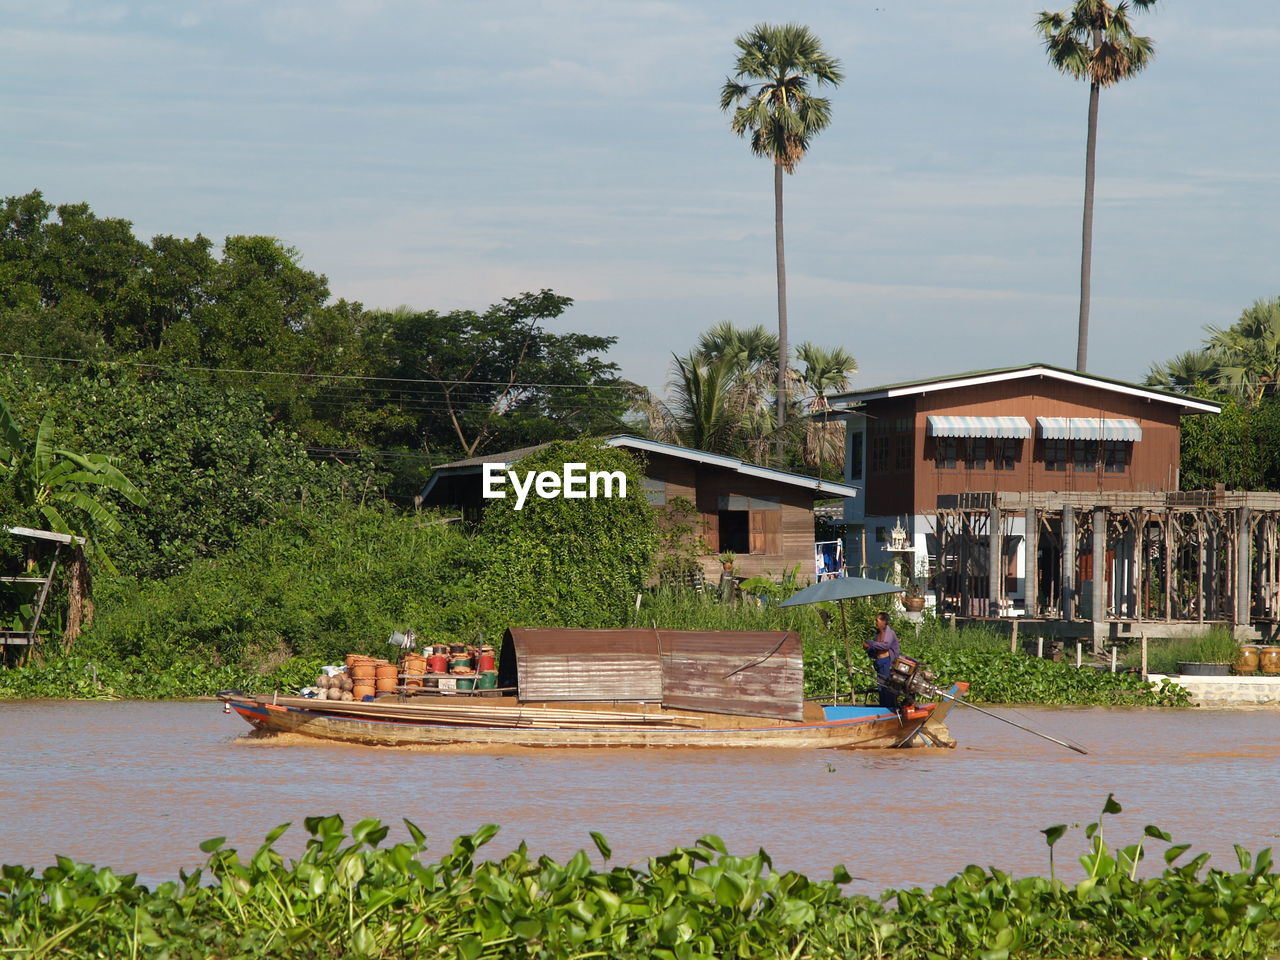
(1034, 733)
(996, 716)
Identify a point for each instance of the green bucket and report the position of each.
(488, 680)
(466, 683)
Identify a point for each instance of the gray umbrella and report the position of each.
(840, 589)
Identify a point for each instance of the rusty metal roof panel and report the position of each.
(554, 665)
(754, 674)
(746, 674)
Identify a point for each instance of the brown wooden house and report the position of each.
(764, 516)
(920, 446)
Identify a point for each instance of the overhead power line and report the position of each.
(173, 368)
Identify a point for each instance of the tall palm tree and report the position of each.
(770, 99)
(54, 483)
(1092, 40)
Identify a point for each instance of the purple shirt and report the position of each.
(886, 642)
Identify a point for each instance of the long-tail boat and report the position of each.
(615, 688)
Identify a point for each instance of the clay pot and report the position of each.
(1269, 660)
(387, 684)
(386, 671)
(1246, 661)
(361, 671)
(362, 690)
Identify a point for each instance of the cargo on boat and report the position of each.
(599, 688)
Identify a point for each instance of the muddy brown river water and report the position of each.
(137, 786)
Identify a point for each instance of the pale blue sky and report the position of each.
(448, 154)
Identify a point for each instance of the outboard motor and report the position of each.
(910, 679)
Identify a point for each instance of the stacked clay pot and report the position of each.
(411, 664)
(361, 669)
(386, 676)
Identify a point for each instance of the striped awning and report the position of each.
(1088, 428)
(1009, 427)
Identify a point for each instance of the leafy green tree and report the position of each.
(493, 380)
(77, 286)
(1239, 448)
(55, 484)
(1094, 41)
(771, 102)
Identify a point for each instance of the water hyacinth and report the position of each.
(349, 896)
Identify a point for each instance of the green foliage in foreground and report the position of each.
(349, 897)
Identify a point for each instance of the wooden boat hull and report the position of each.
(867, 727)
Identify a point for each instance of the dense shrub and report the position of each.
(212, 466)
(569, 563)
(318, 583)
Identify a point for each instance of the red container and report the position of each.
(439, 663)
(486, 661)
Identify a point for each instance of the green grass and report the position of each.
(1163, 656)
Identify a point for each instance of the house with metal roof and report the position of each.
(762, 515)
(922, 447)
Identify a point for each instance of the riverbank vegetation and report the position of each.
(350, 895)
(264, 443)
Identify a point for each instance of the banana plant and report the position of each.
(57, 484)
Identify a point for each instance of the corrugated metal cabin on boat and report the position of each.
(764, 516)
(740, 673)
(926, 446)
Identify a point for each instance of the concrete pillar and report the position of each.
(1068, 563)
(1098, 606)
(1130, 567)
(995, 562)
(1244, 568)
(1031, 564)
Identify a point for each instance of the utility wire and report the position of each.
(321, 376)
